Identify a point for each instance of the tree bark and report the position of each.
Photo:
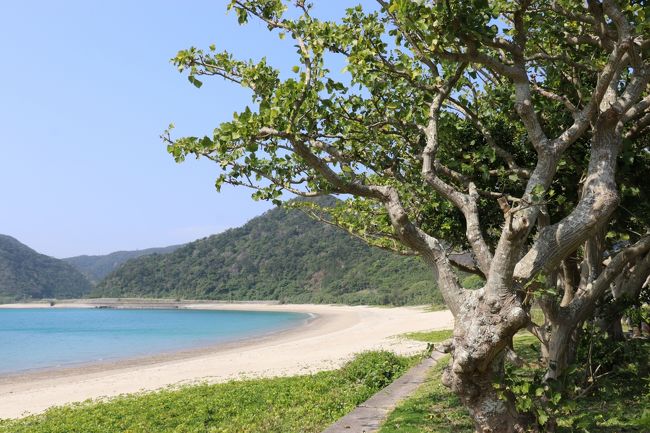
(476, 390)
(614, 328)
(484, 327)
(561, 349)
(563, 322)
(626, 290)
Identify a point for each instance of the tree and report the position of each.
(499, 127)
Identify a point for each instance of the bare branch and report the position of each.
(466, 203)
(638, 110)
(598, 201)
(584, 302)
(639, 128)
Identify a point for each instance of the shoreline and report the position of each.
(332, 335)
(117, 363)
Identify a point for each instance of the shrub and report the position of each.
(375, 369)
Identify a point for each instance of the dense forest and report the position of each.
(26, 274)
(97, 267)
(281, 255)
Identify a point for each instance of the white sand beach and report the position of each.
(332, 337)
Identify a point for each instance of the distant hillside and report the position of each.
(97, 267)
(26, 274)
(283, 255)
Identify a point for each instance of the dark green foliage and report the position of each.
(282, 255)
(26, 274)
(605, 390)
(617, 401)
(301, 404)
(97, 267)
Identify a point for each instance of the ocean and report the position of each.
(37, 338)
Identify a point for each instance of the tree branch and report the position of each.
(585, 301)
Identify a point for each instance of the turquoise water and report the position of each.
(46, 338)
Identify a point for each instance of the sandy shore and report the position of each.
(333, 336)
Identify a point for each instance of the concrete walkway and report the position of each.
(368, 417)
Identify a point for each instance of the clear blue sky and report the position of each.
(86, 88)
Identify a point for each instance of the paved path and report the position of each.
(368, 417)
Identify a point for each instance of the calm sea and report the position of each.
(45, 338)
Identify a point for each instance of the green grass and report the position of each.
(537, 315)
(430, 336)
(431, 409)
(619, 404)
(301, 404)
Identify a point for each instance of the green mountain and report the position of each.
(280, 255)
(97, 267)
(26, 274)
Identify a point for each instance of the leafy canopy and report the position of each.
(317, 130)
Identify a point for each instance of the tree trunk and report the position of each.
(611, 324)
(615, 329)
(491, 414)
(561, 349)
(625, 290)
(482, 333)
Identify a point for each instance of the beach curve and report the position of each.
(332, 337)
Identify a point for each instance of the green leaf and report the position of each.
(192, 79)
(556, 397)
(542, 417)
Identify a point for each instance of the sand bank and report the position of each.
(333, 336)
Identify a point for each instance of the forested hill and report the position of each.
(26, 274)
(97, 267)
(282, 255)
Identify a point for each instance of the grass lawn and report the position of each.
(300, 404)
(431, 409)
(430, 336)
(619, 404)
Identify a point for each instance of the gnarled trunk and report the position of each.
(477, 392)
(482, 333)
